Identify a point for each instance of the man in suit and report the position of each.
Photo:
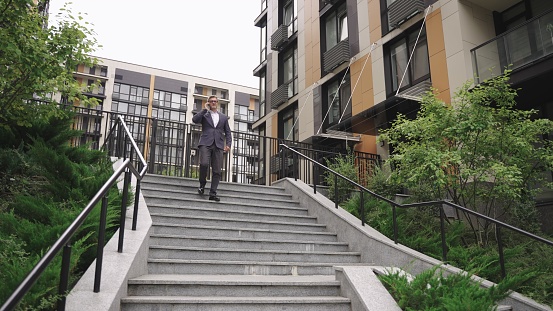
(212, 144)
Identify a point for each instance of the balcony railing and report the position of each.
(279, 96)
(336, 56)
(514, 49)
(279, 37)
(402, 10)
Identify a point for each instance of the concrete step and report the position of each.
(178, 303)
(246, 233)
(208, 267)
(177, 191)
(225, 254)
(233, 285)
(235, 223)
(152, 180)
(298, 244)
(226, 211)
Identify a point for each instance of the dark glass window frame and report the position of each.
(405, 39)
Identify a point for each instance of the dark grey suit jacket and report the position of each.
(210, 133)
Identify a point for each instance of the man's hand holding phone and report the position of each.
(207, 106)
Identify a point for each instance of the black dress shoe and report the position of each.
(201, 190)
(214, 198)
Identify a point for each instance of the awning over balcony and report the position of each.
(379, 116)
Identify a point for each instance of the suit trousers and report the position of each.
(210, 156)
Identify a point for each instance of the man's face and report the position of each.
(213, 103)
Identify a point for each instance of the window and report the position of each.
(130, 92)
(198, 90)
(263, 54)
(398, 57)
(337, 98)
(198, 105)
(222, 108)
(224, 95)
(169, 106)
(336, 27)
(289, 75)
(214, 92)
(92, 70)
(104, 71)
(290, 16)
(262, 89)
(287, 129)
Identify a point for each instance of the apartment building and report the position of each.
(158, 106)
(345, 68)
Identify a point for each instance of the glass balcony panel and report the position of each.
(516, 48)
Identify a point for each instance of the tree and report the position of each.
(480, 152)
(37, 61)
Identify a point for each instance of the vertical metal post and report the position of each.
(126, 182)
(500, 246)
(362, 207)
(121, 141)
(100, 247)
(442, 230)
(336, 191)
(64, 276)
(153, 141)
(136, 199)
(295, 166)
(315, 177)
(394, 222)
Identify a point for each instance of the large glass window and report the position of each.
(169, 106)
(336, 27)
(337, 98)
(262, 94)
(130, 92)
(263, 54)
(288, 128)
(290, 16)
(129, 99)
(290, 70)
(417, 70)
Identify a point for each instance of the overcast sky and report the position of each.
(214, 39)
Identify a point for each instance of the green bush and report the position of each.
(432, 290)
(345, 165)
(46, 183)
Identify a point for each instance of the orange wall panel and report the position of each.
(437, 55)
(374, 20)
(367, 144)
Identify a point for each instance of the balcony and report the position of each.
(279, 37)
(280, 96)
(336, 56)
(515, 49)
(402, 10)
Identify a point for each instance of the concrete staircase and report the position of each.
(257, 249)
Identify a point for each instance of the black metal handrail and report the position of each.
(439, 203)
(64, 241)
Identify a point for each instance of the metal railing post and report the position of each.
(442, 230)
(64, 276)
(135, 210)
(123, 210)
(295, 166)
(100, 247)
(315, 177)
(362, 207)
(394, 222)
(153, 142)
(500, 247)
(336, 191)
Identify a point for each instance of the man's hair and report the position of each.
(212, 96)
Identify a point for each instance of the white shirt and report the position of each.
(214, 117)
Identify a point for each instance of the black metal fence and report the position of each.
(171, 148)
